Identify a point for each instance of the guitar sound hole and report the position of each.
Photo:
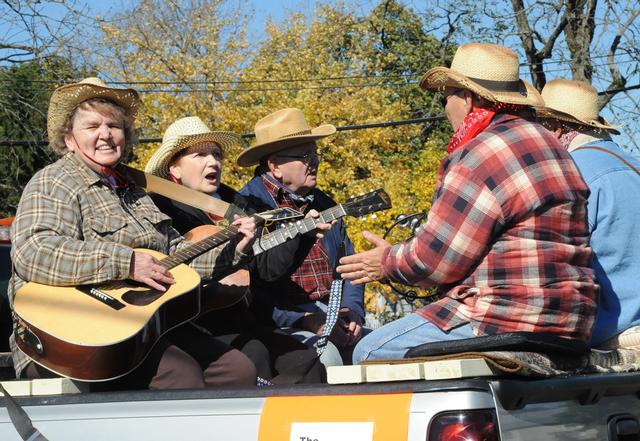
(141, 298)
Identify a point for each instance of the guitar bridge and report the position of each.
(102, 296)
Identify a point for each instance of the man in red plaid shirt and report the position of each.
(506, 237)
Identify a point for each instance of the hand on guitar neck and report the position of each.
(148, 270)
(321, 227)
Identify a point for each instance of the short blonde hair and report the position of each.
(104, 107)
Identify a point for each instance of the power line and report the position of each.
(264, 89)
(316, 79)
(404, 122)
(18, 143)
(271, 80)
(272, 89)
(619, 89)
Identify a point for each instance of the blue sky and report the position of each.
(279, 10)
(263, 9)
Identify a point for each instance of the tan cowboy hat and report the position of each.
(181, 134)
(281, 130)
(66, 98)
(574, 102)
(488, 70)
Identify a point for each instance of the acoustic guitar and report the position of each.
(98, 333)
(235, 287)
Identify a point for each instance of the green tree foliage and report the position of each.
(24, 96)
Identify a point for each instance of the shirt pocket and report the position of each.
(107, 226)
(160, 221)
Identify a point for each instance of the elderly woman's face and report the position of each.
(97, 139)
(200, 168)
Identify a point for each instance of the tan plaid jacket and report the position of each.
(72, 228)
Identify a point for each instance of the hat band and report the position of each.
(502, 86)
(302, 132)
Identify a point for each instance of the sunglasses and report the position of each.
(444, 96)
(308, 158)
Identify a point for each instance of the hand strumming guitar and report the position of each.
(148, 270)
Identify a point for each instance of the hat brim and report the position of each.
(66, 98)
(543, 112)
(255, 153)
(159, 162)
(438, 78)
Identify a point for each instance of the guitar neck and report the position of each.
(281, 235)
(200, 247)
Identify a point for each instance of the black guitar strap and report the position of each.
(20, 419)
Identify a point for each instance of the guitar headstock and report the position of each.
(375, 200)
(279, 214)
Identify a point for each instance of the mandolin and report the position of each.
(235, 287)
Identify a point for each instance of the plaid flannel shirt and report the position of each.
(72, 228)
(506, 237)
(315, 274)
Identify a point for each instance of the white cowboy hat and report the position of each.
(574, 102)
(281, 130)
(66, 98)
(181, 134)
(490, 71)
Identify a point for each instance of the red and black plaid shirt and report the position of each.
(506, 237)
(314, 275)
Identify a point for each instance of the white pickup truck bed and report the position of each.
(572, 408)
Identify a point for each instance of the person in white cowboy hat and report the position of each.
(571, 112)
(287, 160)
(80, 218)
(506, 237)
(192, 155)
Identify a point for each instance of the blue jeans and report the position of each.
(394, 339)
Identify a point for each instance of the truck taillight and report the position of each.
(5, 227)
(468, 425)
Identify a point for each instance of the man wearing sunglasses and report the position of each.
(287, 162)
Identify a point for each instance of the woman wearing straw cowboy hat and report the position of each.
(191, 154)
(80, 219)
(288, 161)
(506, 236)
(571, 113)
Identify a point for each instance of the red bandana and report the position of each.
(475, 122)
(566, 138)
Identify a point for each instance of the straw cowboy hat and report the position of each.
(66, 98)
(182, 134)
(574, 102)
(490, 71)
(281, 130)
